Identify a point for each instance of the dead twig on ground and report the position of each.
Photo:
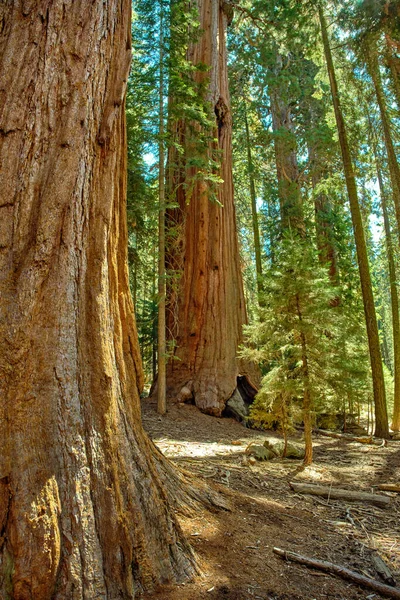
(343, 572)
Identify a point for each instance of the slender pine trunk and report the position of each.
(381, 428)
(307, 400)
(161, 380)
(371, 55)
(394, 297)
(394, 66)
(256, 229)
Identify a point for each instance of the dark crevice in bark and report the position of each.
(221, 110)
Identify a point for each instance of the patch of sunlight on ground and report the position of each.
(173, 448)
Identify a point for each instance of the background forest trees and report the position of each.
(293, 180)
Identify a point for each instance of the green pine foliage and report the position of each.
(300, 316)
(276, 53)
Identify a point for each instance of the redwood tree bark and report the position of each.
(84, 496)
(206, 304)
(285, 153)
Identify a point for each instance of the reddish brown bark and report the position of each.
(285, 154)
(206, 306)
(84, 497)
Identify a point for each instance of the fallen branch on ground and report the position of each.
(339, 494)
(328, 567)
(363, 439)
(389, 487)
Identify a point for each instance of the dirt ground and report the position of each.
(234, 547)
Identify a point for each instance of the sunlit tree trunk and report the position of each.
(161, 337)
(285, 154)
(254, 215)
(206, 303)
(84, 495)
(394, 66)
(381, 422)
(323, 210)
(394, 169)
(394, 299)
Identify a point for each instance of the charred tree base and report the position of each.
(208, 400)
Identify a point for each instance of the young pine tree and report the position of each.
(295, 337)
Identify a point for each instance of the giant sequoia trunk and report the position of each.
(84, 497)
(206, 304)
(317, 151)
(285, 153)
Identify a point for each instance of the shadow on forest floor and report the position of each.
(235, 548)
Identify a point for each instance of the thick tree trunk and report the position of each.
(381, 424)
(323, 209)
(206, 304)
(84, 509)
(285, 155)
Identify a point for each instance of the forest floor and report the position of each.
(234, 547)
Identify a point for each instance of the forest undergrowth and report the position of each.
(235, 548)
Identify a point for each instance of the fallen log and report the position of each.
(343, 572)
(347, 437)
(389, 487)
(339, 494)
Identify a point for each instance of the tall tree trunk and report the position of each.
(84, 495)
(323, 210)
(394, 298)
(394, 66)
(161, 337)
(381, 423)
(307, 399)
(254, 215)
(285, 155)
(394, 169)
(206, 307)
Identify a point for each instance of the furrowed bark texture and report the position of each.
(323, 209)
(285, 154)
(83, 495)
(206, 307)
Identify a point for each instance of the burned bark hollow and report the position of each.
(84, 496)
(206, 304)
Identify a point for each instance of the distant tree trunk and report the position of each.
(161, 337)
(322, 206)
(394, 169)
(394, 66)
(381, 422)
(395, 308)
(84, 495)
(394, 298)
(307, 399)
(285, 155)
(206, 303)
(256, 229)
